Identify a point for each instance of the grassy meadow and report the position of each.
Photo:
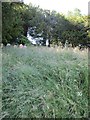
(41, 82)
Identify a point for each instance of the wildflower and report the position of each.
(75, 50)
(20, 46)
(8, 44)
(15, 46)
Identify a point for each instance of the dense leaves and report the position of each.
(11, 22)
(18, 18)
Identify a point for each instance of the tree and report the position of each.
(11, 22)
(18, 18)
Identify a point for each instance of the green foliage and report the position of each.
(79, 33)
(39, 82)
(23, 40)
(17, 18)
(11, 22)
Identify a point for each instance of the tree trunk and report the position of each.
(25, 30)
(49, 43)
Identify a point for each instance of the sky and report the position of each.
(62, 6)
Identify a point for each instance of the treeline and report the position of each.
(17, 18)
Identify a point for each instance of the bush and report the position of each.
(23, 40)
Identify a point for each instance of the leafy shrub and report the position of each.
(23, 40)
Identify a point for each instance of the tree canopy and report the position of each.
(18, 18)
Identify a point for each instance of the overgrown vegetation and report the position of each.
(41, 82)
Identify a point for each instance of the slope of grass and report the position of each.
(40, 82)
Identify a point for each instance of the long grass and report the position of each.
(41, 82)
